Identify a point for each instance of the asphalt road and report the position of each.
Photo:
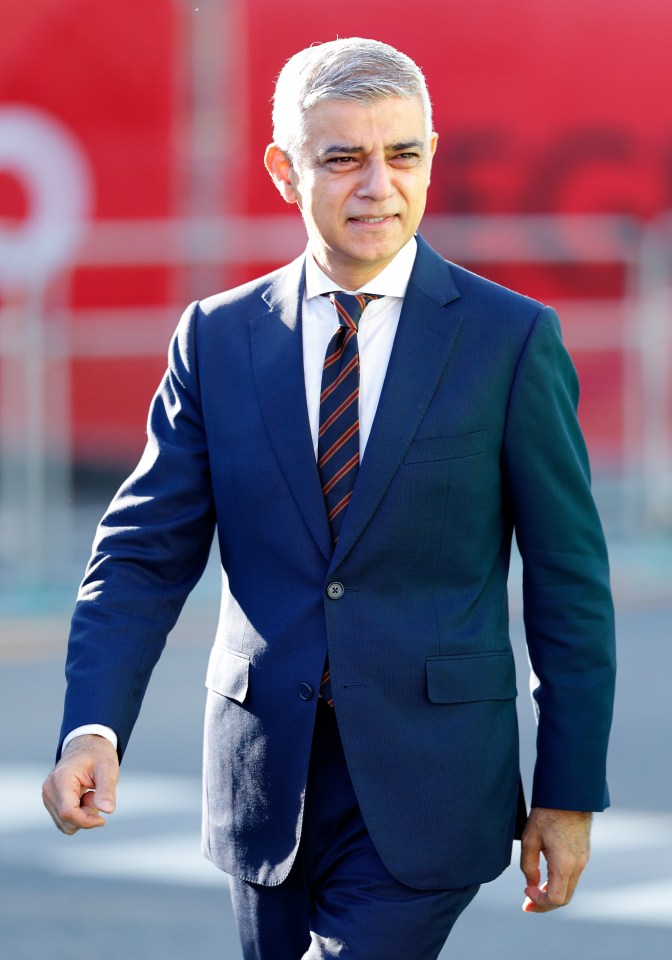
(139, 888)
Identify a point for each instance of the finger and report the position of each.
(67, 811)
(86, 818)
(88, 801)
(530, 861)
(105, 776)
(554, 893)
(529, 864)
(558, 888)
(536, 899)
(531, 870)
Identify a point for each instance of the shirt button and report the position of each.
(335, 590)
(306, 691)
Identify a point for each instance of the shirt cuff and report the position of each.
(95, 728)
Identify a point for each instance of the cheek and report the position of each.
(324, 207)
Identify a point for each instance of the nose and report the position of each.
(376, 182)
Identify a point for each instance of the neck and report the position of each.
(350, 279)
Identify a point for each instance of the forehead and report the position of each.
(382, 122)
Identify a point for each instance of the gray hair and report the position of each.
(346, 69)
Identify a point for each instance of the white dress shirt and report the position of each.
(375, 337)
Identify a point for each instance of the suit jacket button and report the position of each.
(306, 691)
(335, 590)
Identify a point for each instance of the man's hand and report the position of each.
(563, 836)
(82, 785)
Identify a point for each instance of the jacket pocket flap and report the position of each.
(228, 673)
(471, 677)
(446, 448)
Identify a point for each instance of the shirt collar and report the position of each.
(390, 282)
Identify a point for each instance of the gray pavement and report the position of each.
(139, 888)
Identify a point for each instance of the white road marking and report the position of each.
(173, 859)
(168, 851)
(137, 796)
(642, 903)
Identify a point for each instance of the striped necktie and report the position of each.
(338, 438)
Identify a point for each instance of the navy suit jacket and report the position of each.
(475, 436)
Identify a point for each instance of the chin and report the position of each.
(377, 255)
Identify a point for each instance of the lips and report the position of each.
(373, 219)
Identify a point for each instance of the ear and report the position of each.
(433, 140)
(280, 167)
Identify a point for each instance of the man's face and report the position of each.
(360, 180)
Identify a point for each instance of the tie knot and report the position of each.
(350, 306)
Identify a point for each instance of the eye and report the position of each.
(344, 161)
(406, 159)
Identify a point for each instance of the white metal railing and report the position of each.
(36, 346)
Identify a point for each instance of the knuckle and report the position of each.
(64, 813)
(555, 902)
(48, 787)
(557, 899)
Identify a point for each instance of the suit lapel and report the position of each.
(277, 361)
(428, 326)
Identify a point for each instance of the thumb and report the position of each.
(105, 795)
(106, 774)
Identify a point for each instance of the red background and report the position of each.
(554, 107)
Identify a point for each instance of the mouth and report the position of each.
(372, 219)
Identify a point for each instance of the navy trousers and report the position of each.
(339, 900)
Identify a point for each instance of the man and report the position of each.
(358, 807)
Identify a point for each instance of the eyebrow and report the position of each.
(350, 150)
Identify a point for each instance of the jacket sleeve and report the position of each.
(568, 611)
(150, 549)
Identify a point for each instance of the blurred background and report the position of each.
(132, 182)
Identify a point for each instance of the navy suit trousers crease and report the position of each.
(339, 900)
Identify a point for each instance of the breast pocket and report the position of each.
(446, 448)
(228, 673)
